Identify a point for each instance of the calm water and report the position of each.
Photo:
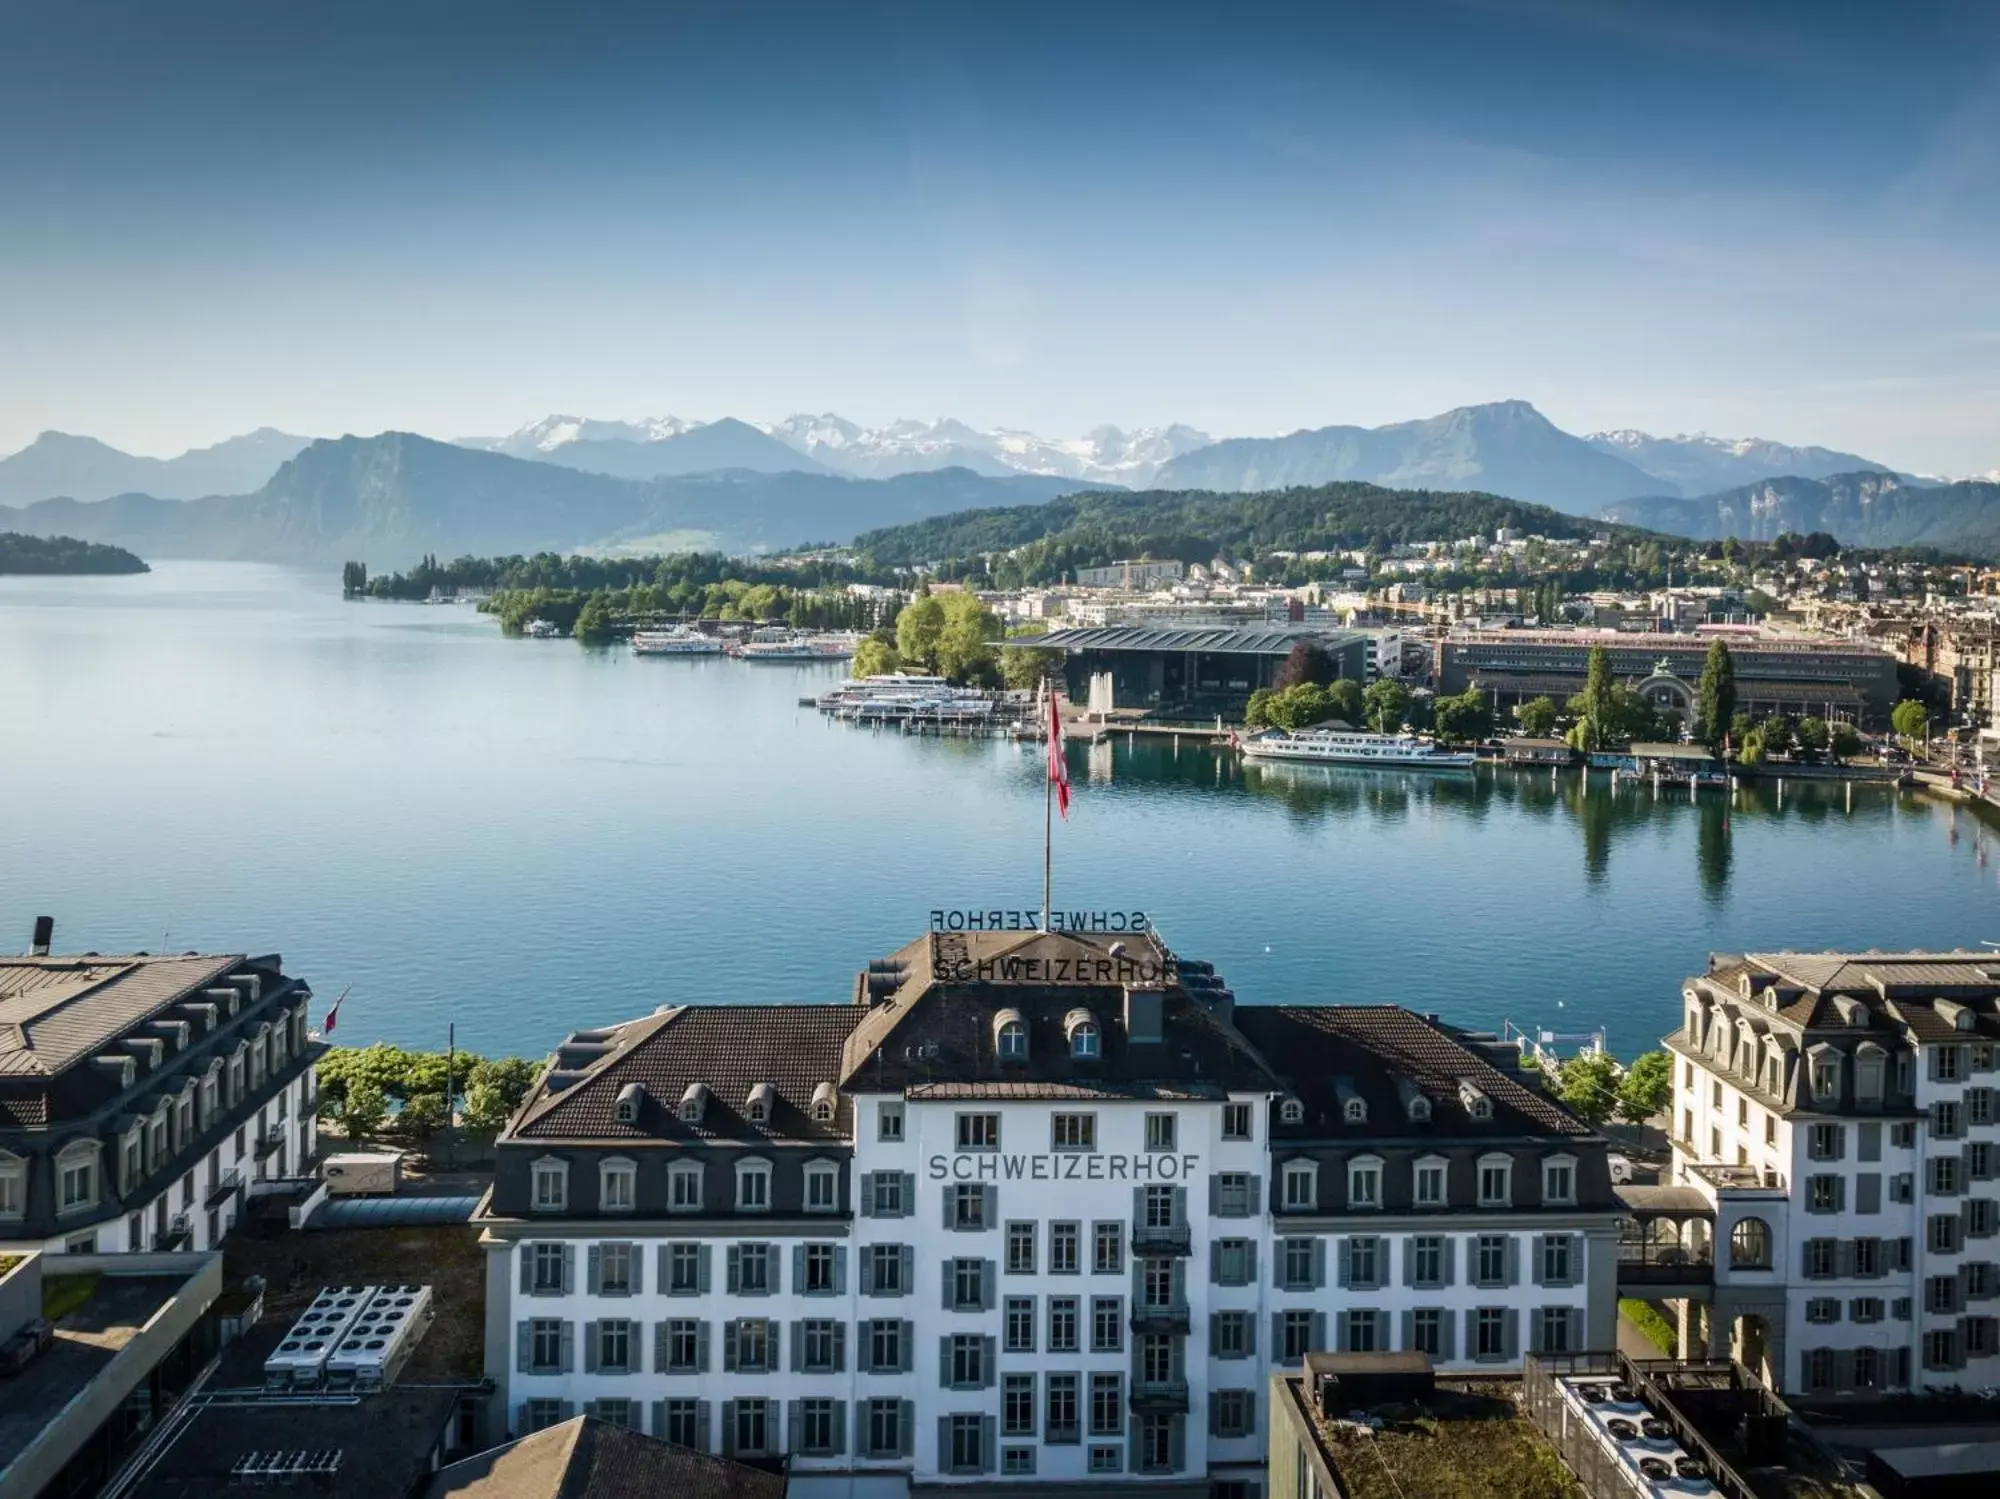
(525, 837)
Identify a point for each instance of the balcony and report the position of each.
(1168, 1397)
(1172, 1318)
(271, 1143)
(223, 1189)
(1161, 1239)
(179, 1234)
(1667, 1241)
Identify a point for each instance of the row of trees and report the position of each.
(384, 1091)
(594, 615)
(1597, 1089)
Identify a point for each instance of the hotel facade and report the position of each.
(1026, 1207)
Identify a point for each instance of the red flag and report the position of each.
(1058, 766)
(332, 1015)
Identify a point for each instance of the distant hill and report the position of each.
(82, 468)
(1507, 448)
(1697, 464)
(63, 555)
(707, 449)
(1865, 510)
(1196, 525)
(387, 499)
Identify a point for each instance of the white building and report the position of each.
(1837, 1113)
(1028, 1206)
(142, 1096)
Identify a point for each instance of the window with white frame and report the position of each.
(1291, 1111)
(617, 1185)
(1300, 1186)
(753, 1186)
(684, 1187)
(1011, 1040)
(551, 1185)
(1559, 1180)
(13, 1185)
(1364, 1182)
(1084, 1040)
(1429, 1183)
(1496, 1181)
(823, 1187)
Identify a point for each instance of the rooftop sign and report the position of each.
(1031, 921)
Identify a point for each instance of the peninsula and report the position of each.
(63, 555)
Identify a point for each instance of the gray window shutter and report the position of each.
(568, 1347)
(1319, 1329)
(701, 1347)
(795, 1429)
(1447, 1337)
(1138, 1206)
(569, 1268)
(1410, 1260)
(1448, 1259)
(945, 1283)
(1176, 1443)
(659, 1418)
(989, 1356)
(729, 1421)
(867, 1272)
(908, 1255)
(1409, 1330)
(944, 1444)
(774, 1261)
(1510, 1332)
(909, 1208)
(735, 1269)
(1215, 1194)
(944, 1197)
(840, 1348)
(1257, 1205)
(594, 1273)
(702, 1440)
(798, 1346)
(798, 1267)
(1180, 1206)
(1215, 1262)
(907, 1425)
(840, 1269)
(988, 1426)
(944, 1364)
(1344, 1265)
(728, 1353)
(868, 1194)
(662, 1345)
(1342, 1321)
(989, 1284)
(527, 1268)
(524, 1346)
(638, 1263)
(1318, 1263)
(1513, 1259)
(839, 1428)
(1250, 1336)
(991, 1194)
(1277, 1335)
(1541, 1257)
(590, 1347)
(906, 1344)
(1471, 1332)
(1250, 1261)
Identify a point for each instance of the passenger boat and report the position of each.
(1347, 747)
(782, 650)
(681, 642)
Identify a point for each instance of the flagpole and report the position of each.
(1048, 832)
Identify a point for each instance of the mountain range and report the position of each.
(82, 468)
(1869, 509)
(388, 499)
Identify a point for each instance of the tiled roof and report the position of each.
(56, 1011)
(1249, 640)
(731, 1048)
(585, 1458)
(1318, 1048)
(1903, 988)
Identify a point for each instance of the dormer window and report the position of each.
(551, 1185)
(1291, 1111)
(617, 1185)
(824, 1101)
(1353, 1108)
(822, 1187)
(1299, 1186)
(1364, 1182)
(631, 1099)
(694, 1100)
(1085, 1043)
(1496, 1181)
(757, 1108)
(1010, 1036)
(1559, 1180)
(684, 1187)
(1477, 1104)
(1355, 1111)
(753, 1186)
(1825, 1074)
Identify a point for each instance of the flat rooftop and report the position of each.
(88, 1337)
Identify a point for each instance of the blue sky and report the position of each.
(1771, 219)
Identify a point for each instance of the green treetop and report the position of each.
(1717, 696)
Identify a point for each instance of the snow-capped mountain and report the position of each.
(552, 432)
(1694, 463)
(1104, 455)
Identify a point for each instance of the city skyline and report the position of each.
(455, 222)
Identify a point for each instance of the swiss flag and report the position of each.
(1058, 766)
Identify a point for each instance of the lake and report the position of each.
(524, 836)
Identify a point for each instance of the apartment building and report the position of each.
(1026, 1206)
(141, 1094)
(1838, 1112)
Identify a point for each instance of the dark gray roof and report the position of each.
(1249, 640)
(584, 1458)
(56, 1011)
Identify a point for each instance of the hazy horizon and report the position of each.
(455, 219)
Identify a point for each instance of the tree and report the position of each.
(1596, 705)
(1465, 718)
(1025, 666)
(876, 657)
(1778, 734)
(1844, 741)
(1385, 703)
(965, 650)
(1910, 719)
(1257, 712)
(1813, 735)
(1537, 717)
(1717, 694)
(421, 1116)
(494, 1089)
(365, 1107)
(593, 621)
(918, 629)
(1346, 699)
(1647, 1087)
(1588, 1086)
(1750, 749)
(1307, 662)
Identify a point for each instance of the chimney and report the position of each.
(45, 931)
(1144, 1022)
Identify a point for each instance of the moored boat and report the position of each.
(1349, 747)
(682, 642)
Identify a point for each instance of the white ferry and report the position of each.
(1348, 747)
(899, 697)
(681, 642)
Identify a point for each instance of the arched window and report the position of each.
(1291, 1111)
(1081, 1027)
(1010, 1036)
(1750, 1245)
